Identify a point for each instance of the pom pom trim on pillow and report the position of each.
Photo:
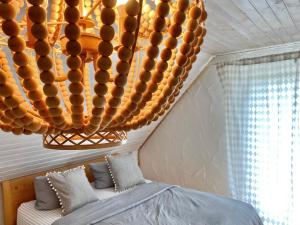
(54, 189)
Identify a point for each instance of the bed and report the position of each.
(150, 203)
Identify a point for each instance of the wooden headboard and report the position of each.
(21, 190)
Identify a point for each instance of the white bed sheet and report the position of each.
(28, 215)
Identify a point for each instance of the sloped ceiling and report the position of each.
(235, 25)
(232, 25)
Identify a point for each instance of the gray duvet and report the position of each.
(161, 204)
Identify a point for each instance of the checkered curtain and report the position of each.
(263, 134)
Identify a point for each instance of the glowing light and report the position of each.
(121, 2)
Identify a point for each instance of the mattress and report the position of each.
(28, 215)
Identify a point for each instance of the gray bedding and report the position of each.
(161, 204)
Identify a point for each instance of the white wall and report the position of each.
(188, 147)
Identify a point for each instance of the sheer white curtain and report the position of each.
(263, 134)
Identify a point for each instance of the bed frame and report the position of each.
(19, 190)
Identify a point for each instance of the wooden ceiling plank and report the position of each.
(220, 14)
(234, 10)
(256, 18)
(270, 17)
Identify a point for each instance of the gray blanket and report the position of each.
(161, 204)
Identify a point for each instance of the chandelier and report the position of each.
(84, 72)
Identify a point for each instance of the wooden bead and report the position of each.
(203, 16)
(183, 5)
(136, 97)
(75, 75)
(100, 89)
(179, 17)
(77, 109)
(171, 42)
(25, 72)
(37, 14)
(74, 62)
(73, 47)
(110, 112)
(39, 105)
(117, 92)
(19, 112)
(192, 24)
(163, 9)
(107, 32)
(132, 7)
(124, 53)
(127, 39)
(98, 101)
(72, 2)
(39, 30)
(10, 28)
(55, 111)
(108, 16)
(152, 51)
(141, 87)
(16, 44)
(47, 77)
(185, 48)
(20, 59)
(2, 77)
(102, 76)
(5, 90)
(7, 11)
(130, 23)
(114, 102)
(145, 76)
(44, 113)
(109, 3)
(50, 90)
(72, 31)
(35, 95)
(181, 60)
(148, 64)
(188, 37)
(156, 38)
(157, 77)
(30, 84)
(11, 102)
(105, 48)
(132, 106)
(72, 14)
(122, 67)
(159, 24)
(152, 88)
(195, 12)
(104, 63)
(76, 99)
(76, 88)
(17, 131)
(166, 54)
(177, 71)
(44, 63)
(175, 30)
(58, 120)
(36, 2)
(162, 66)
(121, 80)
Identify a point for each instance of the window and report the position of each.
(263, 134)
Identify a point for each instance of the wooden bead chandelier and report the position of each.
(84, 72)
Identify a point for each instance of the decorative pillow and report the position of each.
(125, 171)
(72, 188)
(102, 176)
(46, 198)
